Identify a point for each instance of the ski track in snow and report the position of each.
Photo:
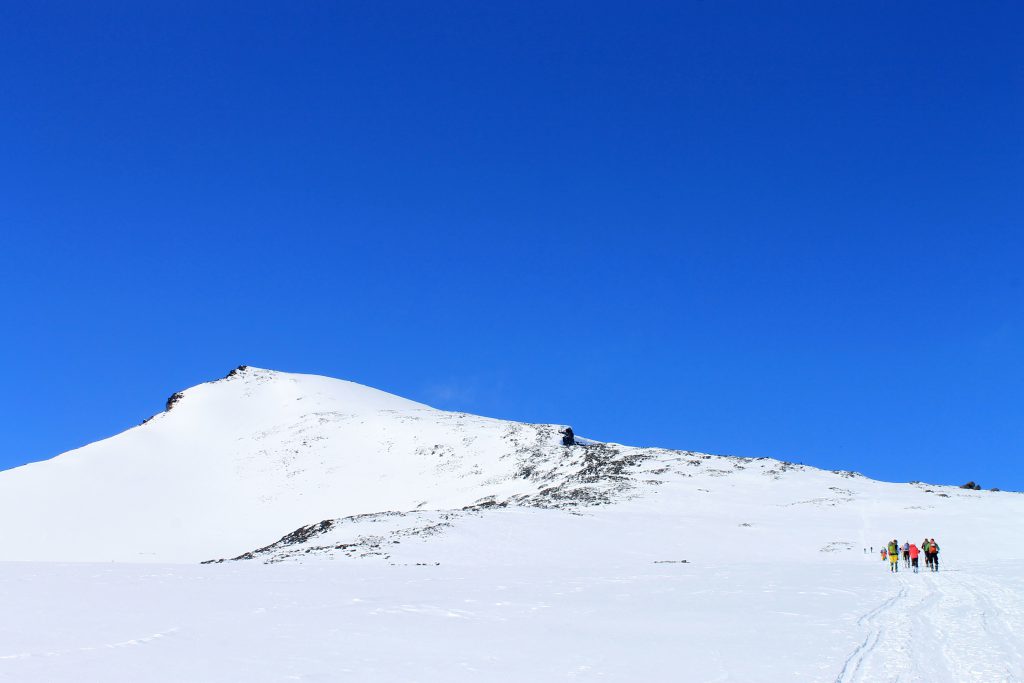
(874, 621)
(941, 626)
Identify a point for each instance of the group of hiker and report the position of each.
(911, 553)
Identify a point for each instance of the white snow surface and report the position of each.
(439, 546)
(838, 622)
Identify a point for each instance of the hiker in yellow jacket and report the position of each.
(894, 555)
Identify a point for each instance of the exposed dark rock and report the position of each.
(306, 532)
(298, 542)
(240, 369)
(173, 399)
(568, 438)
(606, 461)
(486, 504)
(300, 535)
(971, 485)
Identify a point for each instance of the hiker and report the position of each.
(894, 555)
(913, 552)
(927, 555)
(906, 554)
(933, 552)
(883, 554)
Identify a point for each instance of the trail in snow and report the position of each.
(874, 621)
(959, 625)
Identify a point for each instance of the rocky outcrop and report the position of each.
(173, 399)
(237, 371)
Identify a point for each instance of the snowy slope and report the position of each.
(236, 464)
(380, 539)
(740, 516)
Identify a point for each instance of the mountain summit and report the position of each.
(278, 466)
(233, 463)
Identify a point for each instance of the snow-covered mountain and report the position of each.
(389, 541)
(336, 469)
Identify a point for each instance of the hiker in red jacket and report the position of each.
(914, 552)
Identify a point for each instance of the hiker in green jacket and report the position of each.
(933, 554)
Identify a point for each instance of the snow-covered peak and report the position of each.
(330, 466)
(234, 461)
(258, 390)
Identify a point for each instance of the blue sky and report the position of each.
(762, 229)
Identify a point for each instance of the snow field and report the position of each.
(322, 621)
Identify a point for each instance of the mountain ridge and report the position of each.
(275, 466)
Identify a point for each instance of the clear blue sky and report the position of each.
(763, 229)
